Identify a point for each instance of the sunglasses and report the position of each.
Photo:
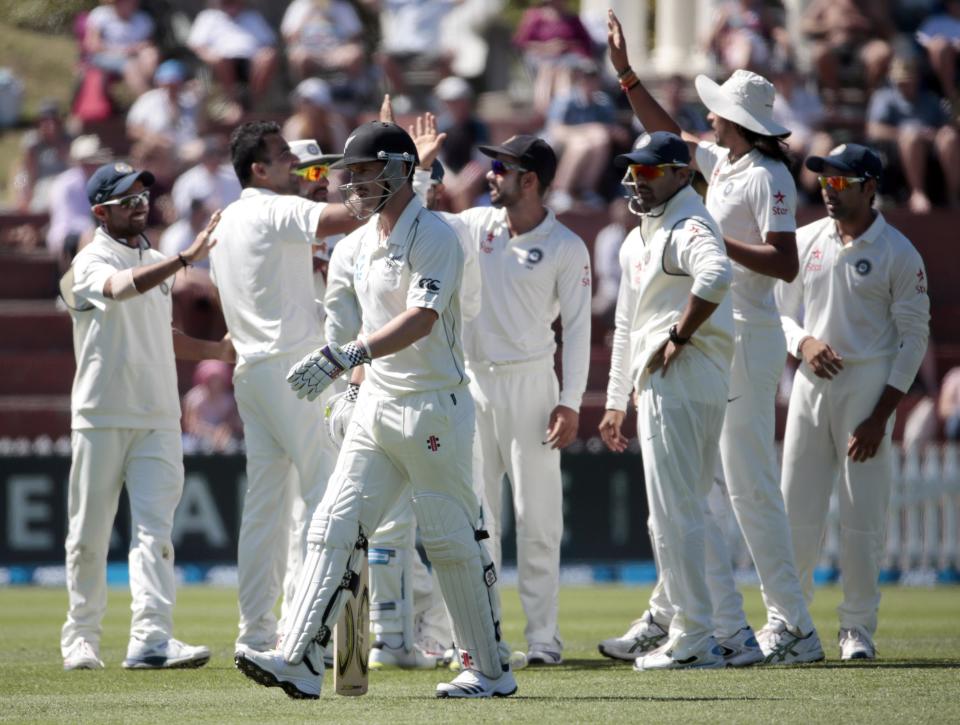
(649, 173)
(500, 168)
(130, 201)
(839, 183)
(313, 173)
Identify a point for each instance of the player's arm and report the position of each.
(128, 283)
(773, 200)
(194, 348)
(776, 257)
(343, 320)
(620, 384)
(336, 219)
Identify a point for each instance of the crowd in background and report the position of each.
(164, 95)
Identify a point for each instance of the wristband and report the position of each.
(675, 337)
(625, 72)
(183, 260)
(628, 81)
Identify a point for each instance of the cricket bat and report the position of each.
(351, 640)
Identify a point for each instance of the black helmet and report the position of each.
(378, 141)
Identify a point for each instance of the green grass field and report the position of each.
(917, 678)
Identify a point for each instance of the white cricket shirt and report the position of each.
(419, 265)
(676, 251)
(126, 374)
(262, 268)
(749, 198)
(527, 280)
(866, 299)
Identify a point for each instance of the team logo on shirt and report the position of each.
(863, 267)
(533, 256)
(430, 285)
(728, 189)
(165, 288)
(486, 245)
(433, 443)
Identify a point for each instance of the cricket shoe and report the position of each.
(383, 656)
(301, 681)
(856, 644)
(664, 659)
(784, 647)
(168, 655)
(82, 656)
(543, 655)
(473, 683)
(742, 649)
(644, 635)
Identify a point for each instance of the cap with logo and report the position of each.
(374, 141)
(656, 149)
(532, 153)
(308, 153)
(114, 179)
(850, 158)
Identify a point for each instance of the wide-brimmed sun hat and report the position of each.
(744, 98)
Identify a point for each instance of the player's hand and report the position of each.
(866, 439)
(339, 413)
(616, 43)
(611, 430)
(386, 109)
(204, 242)
(423, 131)
(315, 372)
(821, 358)
(228, 353)
(562, 428)
(664, 357)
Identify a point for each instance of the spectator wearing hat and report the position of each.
(212, 179)
(753, 198)
(238, 45)
(171, 115)
(45, 153)
(315, 116)
(857, 317)
(910, 122)
(119, 41)
(70, 219)
(465, 169)
(126, 423)
(323, 37)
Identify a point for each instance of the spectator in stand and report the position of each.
(213, 180)
(846, 31)
(195, 308)
(210, 418)
(324, 37)
(45, 153)
(580, 126)
(606, 260)
(748, 34)
(164, 167)
(315, 116)
(119, 41)
(180, 235)
(70, 219)
(170, 116)
(798, 108)
(238, 45)
(465, 176)
(948, 406)
(909, 120)
(689, 116)
(547, 34)
(940, 36)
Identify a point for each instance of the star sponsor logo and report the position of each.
(921, 282)
(486, 244)
(586, 280)
(779, 197)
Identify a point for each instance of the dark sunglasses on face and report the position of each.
(130, 201)
(500, 168)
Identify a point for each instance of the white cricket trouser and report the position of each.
(823, 415)
(150, 464)
(749, 458)
(679, 416)
(285, 441)
(514, 403)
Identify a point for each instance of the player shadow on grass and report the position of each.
(929, 664)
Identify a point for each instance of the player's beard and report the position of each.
(130, 225)
(501, 196)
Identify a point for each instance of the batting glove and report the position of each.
(314, 373)
(339, 413)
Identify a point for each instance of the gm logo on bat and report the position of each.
(431, 285)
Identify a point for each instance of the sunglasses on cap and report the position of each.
(500, 168)
(130, 201)
(645, 171)
(839, 183)
(313, 173)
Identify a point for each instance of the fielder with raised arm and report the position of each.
(673, 344)
(857, 317)
(411, 432)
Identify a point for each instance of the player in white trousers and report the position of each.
(752, 197)
(125, 416)
(411, 432)
(263, 274)
(672, 344)
(858, 318)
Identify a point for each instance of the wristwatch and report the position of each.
(676, 339)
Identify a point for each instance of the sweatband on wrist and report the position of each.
(122, 286)
(362, 342)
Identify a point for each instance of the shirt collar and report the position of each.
(873, 233)
(117, 245)
(542, 230)
(401, 235)
(250, 191)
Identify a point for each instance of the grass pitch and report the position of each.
(917, 678)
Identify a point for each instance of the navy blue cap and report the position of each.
(850, 158)
(653, 149)
(114, 179)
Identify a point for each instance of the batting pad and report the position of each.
(335, 546)
(468, 588)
